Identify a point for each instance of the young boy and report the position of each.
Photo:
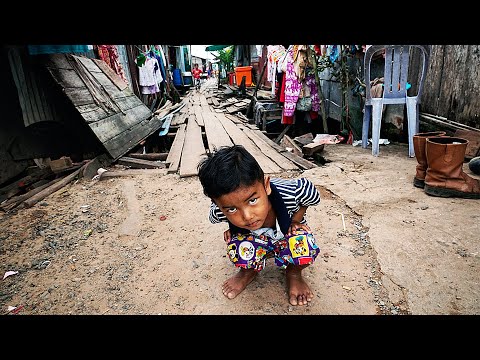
(196, 72)
(266, 218)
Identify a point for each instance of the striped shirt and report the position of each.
(294, 192)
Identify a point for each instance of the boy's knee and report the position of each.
(300, 248)
(247, 251)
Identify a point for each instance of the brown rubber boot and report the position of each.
(419, 140)
(445, 176)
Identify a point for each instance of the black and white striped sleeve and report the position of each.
(216, 216)
(307, 194)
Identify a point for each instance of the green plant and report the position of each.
(225, 57)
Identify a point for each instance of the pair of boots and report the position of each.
(440, 166)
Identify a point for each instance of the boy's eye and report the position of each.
(253, 201)
(231, 210)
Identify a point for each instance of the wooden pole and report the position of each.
(322, 98)
(54, 187)
(249, 112)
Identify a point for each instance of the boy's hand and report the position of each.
(295, 225)
(227, 236)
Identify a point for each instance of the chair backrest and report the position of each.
(397, 58)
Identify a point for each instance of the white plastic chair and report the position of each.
(397, 59)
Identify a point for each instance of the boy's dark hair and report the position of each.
(227, 169)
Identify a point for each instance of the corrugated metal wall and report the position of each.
(32, 97)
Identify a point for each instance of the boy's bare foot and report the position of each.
(299, 292)
(238, 282)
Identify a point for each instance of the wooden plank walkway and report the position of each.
(203, 129)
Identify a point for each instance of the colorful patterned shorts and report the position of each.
(250, 251)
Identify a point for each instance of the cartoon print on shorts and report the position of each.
(261, 239)
(240, 237)
(232, 252)
(311, 241)
(260, 253)
(246, 250)
(298, 246)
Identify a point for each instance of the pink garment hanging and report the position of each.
(292, 87)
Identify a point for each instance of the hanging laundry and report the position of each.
(148, 77)
(109, 54)
(292, 86)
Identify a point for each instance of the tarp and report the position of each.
(216, 47)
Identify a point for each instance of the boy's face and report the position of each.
(248, 206)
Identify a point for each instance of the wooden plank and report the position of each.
(175, 153)
(193, 150)
(232, 109)
(312, 148)
(67, 78)
(216, 134)
(234, 118)
(113, 125)
(92, 112)
(203, 101)
(301, 162)
(178, 118)
(115, 93)
(198, 115)
(88, 63)
(215, 101)
(79, 96)
(112, 75)
(53, 187)
(57, 61)
(125, 141)
(473, 146)
(239, 137)
(140, 163)
(268, 150)
(149, 156)
(131, 172)
(269, 141)
(104, 80)
(288, 142)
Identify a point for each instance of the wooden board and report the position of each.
(269, 151)
(120, 120)
(473, 137)
(114, 77)
(239, 137)
(175, 153)
(125, 141)
(216, 134)
(301, 162)
(178, 118)
(193, 150)
(232, 109)
(198, 115)
(110, 127)
(140, 163)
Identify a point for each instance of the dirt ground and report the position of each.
(143, 244)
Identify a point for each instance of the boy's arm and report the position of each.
(296, 221)
(298, 216)
(307, 195)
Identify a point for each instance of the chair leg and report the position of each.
(367, 114)
(413, 122)
(376, 124)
